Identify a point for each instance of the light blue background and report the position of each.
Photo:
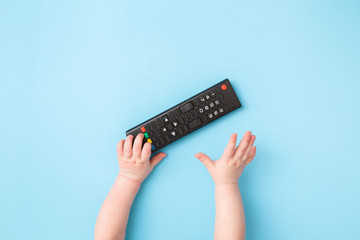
(75, 75)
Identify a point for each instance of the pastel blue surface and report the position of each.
(75, 75)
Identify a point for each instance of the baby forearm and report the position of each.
(114, 213)
(230, 217)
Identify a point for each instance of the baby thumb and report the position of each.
(205, 159)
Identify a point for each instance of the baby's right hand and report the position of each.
(228, 169)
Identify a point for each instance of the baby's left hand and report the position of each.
(133, 161)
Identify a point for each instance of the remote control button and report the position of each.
(153, 124)
(149, 140)
(195, 123)
(146, 135)
(195, 113)
(152, 147)
(158, 122)
(177, 112)
(163, 129)
(173, 134)
(157, 133)
(217, 102)
(185, 128)
(151, 132)
(226, 108)
(221, 110)
(153, 138)
(147, 126)
(216, 113)
(201, 110)
(206, 107)
(204, 118)
(196, 102)
(142, 129)
(157, 144)
(202, 99)
(162, 141)
(169, 127)
(181, 120)
(165, 119)
(175, 123)
(167, 138)
(217, 89)
(212, 104)
(210, 115)
(186, 107)
(190, 116)
(180, 131)
(221, 96)
(172, 115)
(212, 93)
(223, 87)
(207, 97)
(232, 105)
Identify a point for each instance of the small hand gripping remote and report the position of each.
(189, 115)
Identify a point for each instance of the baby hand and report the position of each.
(228, 169)
(134, 162)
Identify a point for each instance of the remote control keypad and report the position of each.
(185, 118)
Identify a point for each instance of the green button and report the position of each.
(146, 135)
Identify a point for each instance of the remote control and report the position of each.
(187, 116)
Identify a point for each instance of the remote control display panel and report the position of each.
(189, 115)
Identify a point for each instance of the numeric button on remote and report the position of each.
(217, 102)
(210, 115)
(206, 107)
(173, 134)
(216, 113)
(212, 104)
(163, 129)
(165, 119)
(221, 110)
(207, 97)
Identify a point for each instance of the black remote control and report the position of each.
(189, 115)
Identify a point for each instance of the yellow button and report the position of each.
(149, 140)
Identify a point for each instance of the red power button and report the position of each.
(223, 87)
